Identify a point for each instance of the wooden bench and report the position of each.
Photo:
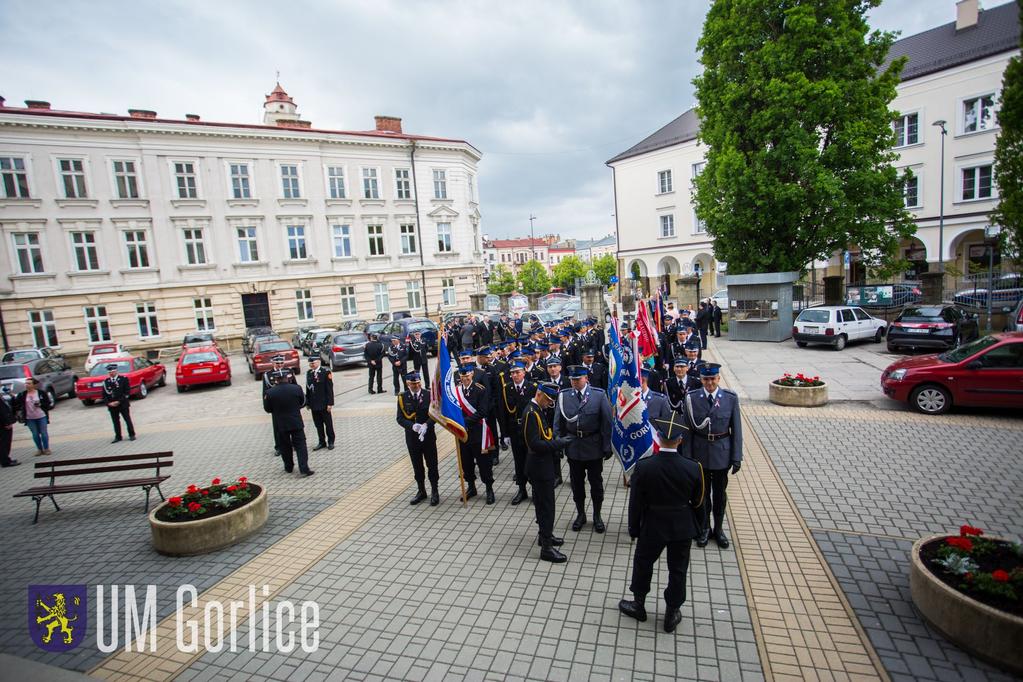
(83, 467)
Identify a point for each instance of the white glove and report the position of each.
(422, 436)
(507, 442)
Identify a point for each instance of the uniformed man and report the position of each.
(584, 413)
(373, 353)
(717, 446)
(489, 376)
(542, 448)
(657, 406)
(7, 422)
(677, 385)
(597, 370)
(419, 353)
(285, 401)
(515, 396)
(397, 355)
(693, 363)
(664, 512)
(271, 378)
(420, 437)
(117, 397)
(473, 452)
(319, 397)
(555, 375)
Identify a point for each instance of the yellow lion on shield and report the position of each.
(56, 616)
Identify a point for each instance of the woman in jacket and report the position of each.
(33, 409)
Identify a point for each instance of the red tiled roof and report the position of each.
(515, 243)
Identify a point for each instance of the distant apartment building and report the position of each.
(514, 253)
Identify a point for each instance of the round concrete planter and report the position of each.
(978, 628)
(200, 536)
(798, 396)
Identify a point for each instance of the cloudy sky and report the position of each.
(548, 90)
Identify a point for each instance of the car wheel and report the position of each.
(878, 335)
(892, 348)
(53, 395)
(181, 389)
(840, 342)
(163, 380)
(73, 393)
(258, 376)
(801, 344)
(88, 401)
(228, 382)
(930, 399)
(143, 390)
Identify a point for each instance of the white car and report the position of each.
(104, 352)
(721, 298)
(836, 326)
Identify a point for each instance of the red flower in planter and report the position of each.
(232, 488)
(174, 501)
(970, 530)
(242, 479)
(243, 485)
(1000, 576)
(192, 489)
(205, 493)
(215, 481)
(194, 506)
(964, 544)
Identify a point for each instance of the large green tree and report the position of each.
(502, 281)
(567, 270)
(534, 278)
(793, 107)
(605, 268)
(1009, 158)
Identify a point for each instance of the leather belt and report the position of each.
(714, 436)
(584, 434)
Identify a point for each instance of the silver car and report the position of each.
(345, 348)
(54, 374)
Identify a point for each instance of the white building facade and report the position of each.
(139, 229)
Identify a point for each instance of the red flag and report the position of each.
(657, 312)
(647, 339)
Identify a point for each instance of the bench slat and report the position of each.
(100, 460)
(101, 470)
(86, 487)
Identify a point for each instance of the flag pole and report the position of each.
(461, 474)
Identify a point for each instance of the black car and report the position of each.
(252, 332)
(404, 328)
(932, 326)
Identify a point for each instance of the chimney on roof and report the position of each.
(36, 104)
(141, 113)
(2, 100)
(388, 124)
(191, 117)
(967, 13)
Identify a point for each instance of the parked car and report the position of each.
(343, 348)
(530, 317)
(197, 339)
(264, 351)
(299, 335)
(104, 353)
(368, 328)
(404, 327)
(1008, 290)
(253, 332)
(313, 342)
(1015, 321)
(936, 326)
(252, 342)
(836, 326)
(54, 374)
(26, 354)
(396, 315)
(346, 325)
(201, 365)
(142, 375)
(721, 298)
(459, 314)
(985, 372)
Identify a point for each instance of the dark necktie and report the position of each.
(710, 399)
(579, 394)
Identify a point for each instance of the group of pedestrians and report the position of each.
(30, 407)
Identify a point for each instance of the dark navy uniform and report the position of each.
(537, 432)
(717, 446)
(319, 394)
(118, 390)
(373, 353)
(587, 418)
(413, 411)
(418, 353)
(512, 405)
(285, 402)
(472, 454)
(397, 355)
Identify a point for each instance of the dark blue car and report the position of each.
(405, 327)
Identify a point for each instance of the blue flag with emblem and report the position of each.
(632, 437)
(444, 406)
(614, 345)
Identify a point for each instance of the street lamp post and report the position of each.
(532, 246)
(941, 210)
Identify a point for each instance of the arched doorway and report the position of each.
(915, 253)
(705, 267)
(972, 254)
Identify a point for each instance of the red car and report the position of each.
(142, 375)
(986, 372)
(264, 351)
(202, 365)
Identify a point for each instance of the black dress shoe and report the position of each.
(419, 497)
(277, 452)
(490, 495)
(319, 446)
(579, 522)
(558, 481)
(372, 392)
(598, 524)
(12, 463)
(703, 538)
(633, 609)
(672, 619)
(131, 437)
(308, 473)
(288, 471)
(504, 446)
(330, 446)
(555, 541)
(552, 555)
(722, 539)
(434, 498)
(470, 492)
(520, 496)
(116, 440)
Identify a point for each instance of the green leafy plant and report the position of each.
(605, 268)
(501, 281)
(533, 277)
(198, 500)
(568, 270)
(1008, 170)
(799, 380)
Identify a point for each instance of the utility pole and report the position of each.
(532, 246)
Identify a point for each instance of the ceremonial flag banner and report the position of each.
(614, 357)
(444, 405)
(647, 341)
(631, 434)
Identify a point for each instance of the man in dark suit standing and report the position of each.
(397, 355)
(285, 402)
(419, 353)
(717, 446)
(541, 465)
(474, 410)
(319, 394)
(715, 316)
(7, 422)
(598, 372)
(667, 493)
(420, 437)
(373, 352)
(515, 396)
(117, 396)
(703, 323)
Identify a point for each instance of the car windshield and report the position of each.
(103, 350)
(268, 346)
(349, 338)
(199, 358)
(12, 372)
(421, 327)
(814, 316)
(966, 350)
(915, 314)
(101, 369)
(20, 355)
(375, 327)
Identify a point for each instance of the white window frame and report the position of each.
(97, 323)
(341, 235)
(403, 184)
(666, 219)
(905, 127)
(381, 297)
(146, 319)
(407, 236)
(440, 184)
(304, 305)
(917, 172)
(196, 176)
(961, 112)
(248, 176)
(296, 232)
(115, 190)
(86, 180)
(141, 248)
(331, 182)
(445, 238)
(285, 188)
(349, 303)
(665, 181)
(89, 245)
(374, 180)
(29, 249)
(196, 238)
(43, 327)
(205, 320)
(966, 165)
(370, 237)
(414, 294)
(248, 244)
(14, 172)
(449, 295)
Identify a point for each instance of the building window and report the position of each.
(907, 130)
(977, 183)
(184, 177)
(402, 185)
(240, 186)
(978, 113)
(15, 178)
(370, 184)
(470, 187)
(444, 237)
(84, 246)
(664, 182)
(348, 308)
(145, 313)
(342, 241)
(440, 184)
(448, 290)
(72, 175)
(911, 191)
(408, 239)
(203, 314)
(336, 182)
(195, 248)
(289, 181)
(381, 297)
(296, 242)
(29, 253)
(97, 323)
(376, 239)
(304, 304)
(667, 225)
(414, 294)
(138, 248)
(248, 247)
(44, 329)
(126, 180)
